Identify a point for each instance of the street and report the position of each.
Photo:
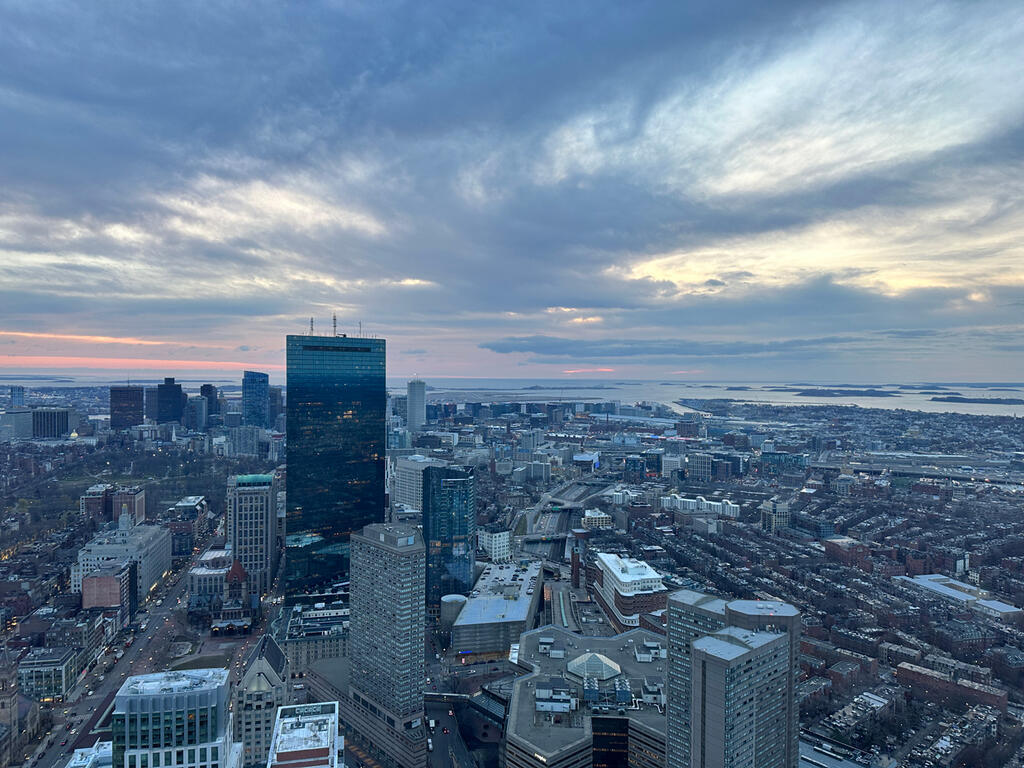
(75, 721)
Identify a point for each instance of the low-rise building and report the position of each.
(500, 607)
(148, 546)
(315, 633)
(496, 541)
(965, 595)
(48, 674)
(627, 588)
(587, 701)
(306, 736)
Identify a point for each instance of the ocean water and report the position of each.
(911, 396)
(906, 396)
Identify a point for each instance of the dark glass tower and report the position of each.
(126, 406)
(335, 438)
(449, 531)
(170, 401)
(255, 398)
(212, 402)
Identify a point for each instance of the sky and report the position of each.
(670, 190)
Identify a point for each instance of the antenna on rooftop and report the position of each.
(311, 326)
(335, 316)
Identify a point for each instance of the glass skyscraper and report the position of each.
(255, 399)
(449, 530)
(335, 450)
(126, 406)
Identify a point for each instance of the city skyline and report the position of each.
(646, 191)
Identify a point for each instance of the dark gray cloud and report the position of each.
(520, 185)
(565, 349)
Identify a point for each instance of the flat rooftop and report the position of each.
(504, 592)
(763, 608)
(173, 682)
(957, 591)
(626, 569)
(733, 643)
(305, 727)
(317, 622)
(547, 737)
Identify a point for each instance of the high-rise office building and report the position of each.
(53, 423)
(195, 414)
(276, 405)
(416, 405)
(449, 530)
(261, 691)
(738, 703)
(695, 615)
(255, 399)
(335, 454)
(17, 396)
(209, 391)
(251, 522)
(174, 720)
(407, 479)
(170, 401)
(383, 711)
(152, 405)
(127, 406)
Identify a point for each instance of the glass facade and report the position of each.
(449, 528)
(170, 401)
(335, 452)
(255, 399)
(126, 406)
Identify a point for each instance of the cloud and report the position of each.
(549, 346)
(516, 188)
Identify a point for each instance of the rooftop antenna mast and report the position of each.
(311, 326)
(335, 316)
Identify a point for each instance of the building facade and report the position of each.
(130, 501)
(416, 405)
(127, 406)
(738, 701)
(251, 520)
(407, 479)
(174, 720)
(627, 588)
(170, 401)
(255, 399)
(694, 615)
(335, 454)
(262, 690)
(449, 531)
(146, 545)
(383, 711)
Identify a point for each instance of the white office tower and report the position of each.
(306, 736)
(738, 702)
(251, 520)
(416, 405)
(174, 720)
(407, 479)
(695, 616)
